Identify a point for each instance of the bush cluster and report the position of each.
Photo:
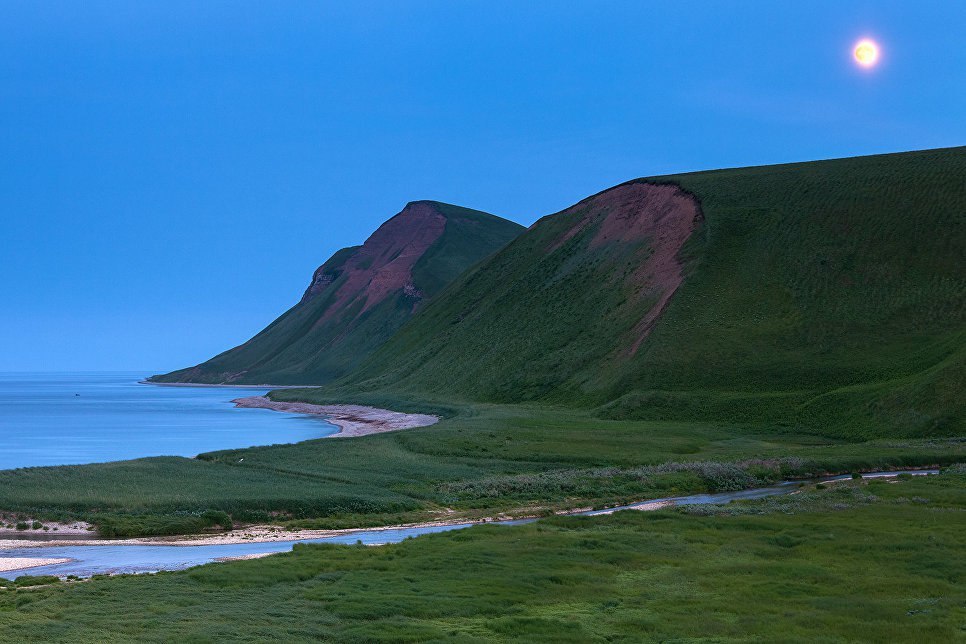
(696, 476)
(135, 525)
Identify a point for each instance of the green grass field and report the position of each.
(858, 561)
(482, 460)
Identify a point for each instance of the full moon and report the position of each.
(866, 53)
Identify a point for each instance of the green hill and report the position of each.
(360, 297)
(826, 295)
(751, 324)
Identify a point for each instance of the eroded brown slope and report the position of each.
(661, 217)
(383, 265)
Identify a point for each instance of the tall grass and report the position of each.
(860, 561)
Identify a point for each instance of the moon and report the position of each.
(866, 53)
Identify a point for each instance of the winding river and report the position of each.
(90, 560)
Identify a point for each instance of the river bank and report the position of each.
(272, 533)
(352, 420)
(153, 555)
(9, 564)
(849, 562)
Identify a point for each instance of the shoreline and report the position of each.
(201, 384)
(352, 420)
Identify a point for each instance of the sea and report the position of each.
(74, 418)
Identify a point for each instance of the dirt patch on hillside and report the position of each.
(661, 213)
(664, 216)
(667, 216)
(383, 265)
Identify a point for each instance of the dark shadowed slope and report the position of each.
(360, 296)
(828, 295)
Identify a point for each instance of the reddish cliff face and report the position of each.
(663, 216)
(383, 264)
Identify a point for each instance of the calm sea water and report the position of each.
(61, 419)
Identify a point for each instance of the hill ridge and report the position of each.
(800, 282)
(359, 297)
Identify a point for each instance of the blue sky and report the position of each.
(171, 173)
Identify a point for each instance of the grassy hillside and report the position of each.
(793, 568)
(360, 297)
(812, 312)
(828, 296)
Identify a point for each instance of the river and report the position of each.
(117, 559)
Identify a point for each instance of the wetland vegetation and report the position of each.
(792, 568)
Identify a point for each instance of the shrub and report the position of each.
(139, 525)
(42, 580)
(218, 518)
(955, 468)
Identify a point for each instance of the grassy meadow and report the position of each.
(482, 460)
(856, 561)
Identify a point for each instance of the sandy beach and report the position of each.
(352, 420)
(254, 555)
(644, 507)
(8, 564)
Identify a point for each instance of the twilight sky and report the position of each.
(171, 173)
